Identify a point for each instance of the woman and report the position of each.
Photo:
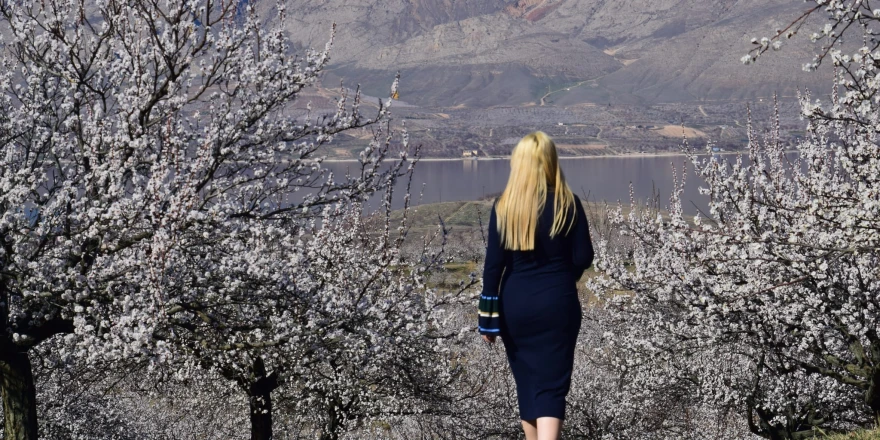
(539, 246)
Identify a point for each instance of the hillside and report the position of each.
(601, 77)
(481, 53)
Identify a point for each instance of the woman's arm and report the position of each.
(490, 320)
(581, 245)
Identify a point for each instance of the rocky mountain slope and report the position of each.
(483, 53)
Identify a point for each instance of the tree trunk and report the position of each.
(872, 395)
(261, 417)
(19, 397)
(260, 400)
(331, 430)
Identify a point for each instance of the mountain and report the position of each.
(485, 53)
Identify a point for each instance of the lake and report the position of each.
(597, 178)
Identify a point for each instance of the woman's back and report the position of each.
(553, 259)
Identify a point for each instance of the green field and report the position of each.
(465, 214)
(453, 214)
(856, 435)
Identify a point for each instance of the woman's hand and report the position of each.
(489, 338)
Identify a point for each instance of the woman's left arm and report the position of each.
(493, 269)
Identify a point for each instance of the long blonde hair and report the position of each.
(534, 165)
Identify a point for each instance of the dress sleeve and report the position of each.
(489, 310)
(581, 245)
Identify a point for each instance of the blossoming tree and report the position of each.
(767, 302)
(131, 129)
(333, 319)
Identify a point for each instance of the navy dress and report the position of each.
(530, 299)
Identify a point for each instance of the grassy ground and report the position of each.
(464, 214)
(464, 217)
(857, 435)
(454, 215)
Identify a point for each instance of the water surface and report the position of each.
(597, 178)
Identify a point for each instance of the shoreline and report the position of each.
(607, 156)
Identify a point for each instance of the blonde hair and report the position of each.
(534, 165)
